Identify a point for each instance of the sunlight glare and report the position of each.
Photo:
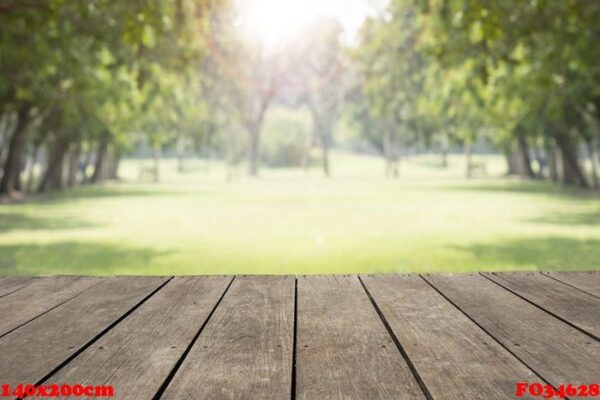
(275, 22)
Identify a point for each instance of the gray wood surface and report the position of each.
(95, 333)
(137, 355)
(586, 281)
(34, 350)
(343, 349)
(454, 357)
(39, 297)
(572, 305)
(10, 285)
(556, 351)
(245, 350)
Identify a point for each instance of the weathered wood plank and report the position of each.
(343, 348)
(245, 350)
(586, 281)
(454, 357)
(137, 355)
(578, 308)
(39, 297)
(34, 350)
(556, 351)
(10, 284)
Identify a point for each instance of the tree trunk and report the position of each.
(34, 157)
(180, 163)
(311, 143)
(7, 126)
(397, 146)
(444, 160)
(20, 169)
(390, 152)
(113, 172)
(156, 164)
(325, 149)
(572, 172)
(254, 127)
(12, 165)
(85, 165)
(180, 156)
(99, 168)
(53, 176)
(254, 149)
(445, 150)
(552, 163)
(73, 166)
(57, 178)
(524, 161)
(468, 158)
(592, 156)
(511, 160)
(387, 151)
(595, 174)
(305, 161)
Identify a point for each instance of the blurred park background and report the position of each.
(298, 137)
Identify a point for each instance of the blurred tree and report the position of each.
(391, 69)
(322, 74)
(87, 68)
(533, 64)
(525, 73)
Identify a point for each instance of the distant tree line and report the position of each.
(78, 79)
(523, 74)
(82, 83)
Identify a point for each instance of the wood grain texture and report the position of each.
(245, 350)
(39, 297)
(34, 350)
(556, 351)
(343, 348)
(11, 284)
(586, 281)
(137, 355)
(454, 357)
(578, 308)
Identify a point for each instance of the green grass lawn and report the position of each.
(289, 222)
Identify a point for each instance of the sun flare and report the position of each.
(275, 22)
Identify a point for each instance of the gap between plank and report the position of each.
(294, 341)
(407, 359)
(542, 308)
(489, 334)
(98, 336)
(568, 284)
(47, 311)
(183, 356)
(14, 291)
(21, 288)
